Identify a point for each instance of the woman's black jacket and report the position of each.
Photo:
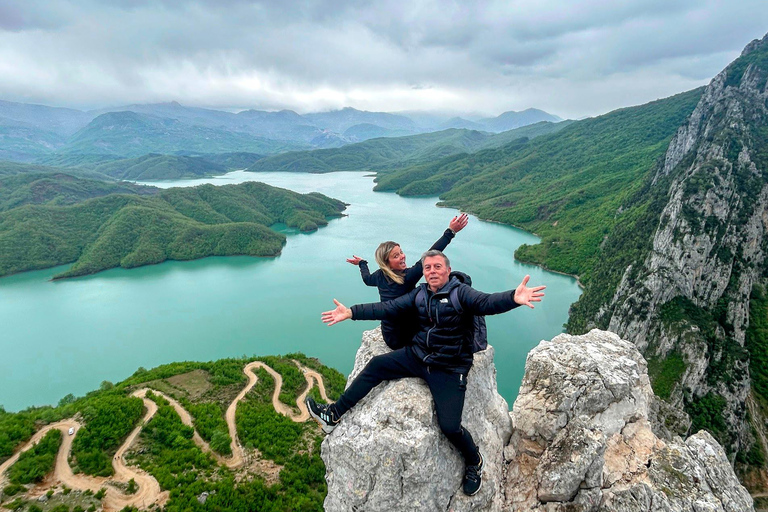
(388, 289)
(444, 336)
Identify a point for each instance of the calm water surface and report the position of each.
(68, 336)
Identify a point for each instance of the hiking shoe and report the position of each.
(473, 478)
(324, 414)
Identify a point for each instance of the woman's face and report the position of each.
(396, 259)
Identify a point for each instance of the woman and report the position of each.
(394, 279)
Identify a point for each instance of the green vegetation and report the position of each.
(757, 59)
(396, 152)
(261, 427)
(76, 161)
(666, 373)
(724, 352)
(567, 187)
(160, 167)
(128, 230)
(59, 189)
(293, 380)
(233, 161)
(13, 489)
(757, 342)
(172, 457)
(707, 413)
(166, 449)
(211, 425)
(129, 134)
(14, 428)
(334, 380)
(36, 462)
(108, 420)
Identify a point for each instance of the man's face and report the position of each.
(436, 272)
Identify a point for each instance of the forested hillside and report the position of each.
(389, 153)
(566, 187)
(52, 219)
(277, 466)
(160, 167)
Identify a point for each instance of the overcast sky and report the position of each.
(571, 58)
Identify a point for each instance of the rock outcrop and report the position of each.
(688, 297)
(583, 439)
(388, 452)
(580, 438)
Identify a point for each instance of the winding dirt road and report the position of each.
(149, 492)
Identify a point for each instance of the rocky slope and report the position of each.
(581, 437)
(686, 302)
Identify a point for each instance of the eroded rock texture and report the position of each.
(388, 452)
(582, 438)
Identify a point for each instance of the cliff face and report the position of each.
(688, 300)
(580, 438)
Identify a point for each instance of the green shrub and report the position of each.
(38, 461)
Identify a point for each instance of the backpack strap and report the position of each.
(419, 299)
(454, 296)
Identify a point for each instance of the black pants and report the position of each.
(448, 390)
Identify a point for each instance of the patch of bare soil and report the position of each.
(195, 383)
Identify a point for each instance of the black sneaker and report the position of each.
(324, 414)
(473, 478)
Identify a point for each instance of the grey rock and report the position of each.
(709, 246)
(583, 440)
(388, 453)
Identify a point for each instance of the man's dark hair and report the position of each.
(435, 252)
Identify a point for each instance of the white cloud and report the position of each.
(573, 59)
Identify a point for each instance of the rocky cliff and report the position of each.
(685, 299)
(580, 438)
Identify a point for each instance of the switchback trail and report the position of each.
(149, 492)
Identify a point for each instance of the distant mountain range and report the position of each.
(34, 133)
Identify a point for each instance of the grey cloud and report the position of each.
(300, 53)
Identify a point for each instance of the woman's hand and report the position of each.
(458, 223)
(355, 260)
(524, 295)
(337, 315)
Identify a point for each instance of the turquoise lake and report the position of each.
(68, 336)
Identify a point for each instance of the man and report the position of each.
(441, 353)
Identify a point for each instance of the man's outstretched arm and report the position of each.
(373, 311)
(480, 303)
(337, 315)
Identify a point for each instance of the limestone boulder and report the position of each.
(388, 452)
(582, 440)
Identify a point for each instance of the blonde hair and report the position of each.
(382, 258)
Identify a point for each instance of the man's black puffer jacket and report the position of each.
(444, 336)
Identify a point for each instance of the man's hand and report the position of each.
(355, 260)
(524, 295)
(337, 315)
(458, 223)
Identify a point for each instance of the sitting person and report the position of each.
(441, 352)
(394, 280)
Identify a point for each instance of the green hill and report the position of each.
(160, 167)
(59, 189)
(24, 142)
(129, 230)
(290, 475)
(233, 161)
(566, 187)
(394, 152)
(129, 134)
